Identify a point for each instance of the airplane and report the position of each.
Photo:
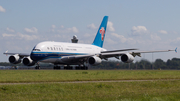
(81, 55)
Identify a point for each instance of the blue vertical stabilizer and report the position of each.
(100, 36)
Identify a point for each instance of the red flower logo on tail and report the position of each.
(102, 32)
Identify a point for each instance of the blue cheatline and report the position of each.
(100, 36)
(39, 56)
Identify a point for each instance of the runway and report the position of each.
(106, 81)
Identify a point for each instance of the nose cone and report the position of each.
(33, 56)
(37, 56)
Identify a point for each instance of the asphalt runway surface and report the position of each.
(88, 81)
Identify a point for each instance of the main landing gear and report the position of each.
(37, 67)
(81, 68)
(68, 67)
(56, 67)
(71, 67)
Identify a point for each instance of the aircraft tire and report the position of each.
(77, 67)
(37, 67)
(57, 67)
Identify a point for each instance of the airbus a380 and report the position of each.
(61, 53)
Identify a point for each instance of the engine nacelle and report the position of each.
(94, 60)
(28, 61)
(127, 58)
(14, 59)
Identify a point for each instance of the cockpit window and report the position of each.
(36, 50)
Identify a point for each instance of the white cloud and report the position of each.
(110, 26)
(87, 35)
(61, 26)
(2, 9)
(32, 30)
(53, 26)
(21, 36)
(174, 32)
(74, 29)
(27, 37)
(176, 41)
(61, 29)
(131, 41)
(163, 32)
(8, 35)
(155, 37)
(10, 30)
(139, 30)
(110, 41)
(121, 37)
(91, 26)
(68, 30)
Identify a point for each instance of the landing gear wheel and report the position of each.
(86, 68)
(37, 67)
(68, 67)
(81, 68)
(57, 67)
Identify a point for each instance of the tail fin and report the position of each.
(100, 36)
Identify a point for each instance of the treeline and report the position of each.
(143, 64)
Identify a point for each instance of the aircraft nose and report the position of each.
(33, 56)
(36, 56)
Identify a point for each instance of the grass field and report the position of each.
(14, 76)
(158, 90)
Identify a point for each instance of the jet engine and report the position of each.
(14, 59)
(127, 58)
(94, 60)
(28, 61)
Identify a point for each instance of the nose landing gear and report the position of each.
(37, 67)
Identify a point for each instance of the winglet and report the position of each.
(176, 50)
(6, 51)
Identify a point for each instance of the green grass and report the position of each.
(158, 90)
(118, 91)
(10, 76)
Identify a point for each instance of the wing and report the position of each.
(20, 54)
(77, 58)
(105, 55)
(74, 57)
(118, 50)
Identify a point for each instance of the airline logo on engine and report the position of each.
(102, 32)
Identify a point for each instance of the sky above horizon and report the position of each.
(146, 25)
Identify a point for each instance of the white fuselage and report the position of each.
(50, 51)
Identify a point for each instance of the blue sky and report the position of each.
(142, 24)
